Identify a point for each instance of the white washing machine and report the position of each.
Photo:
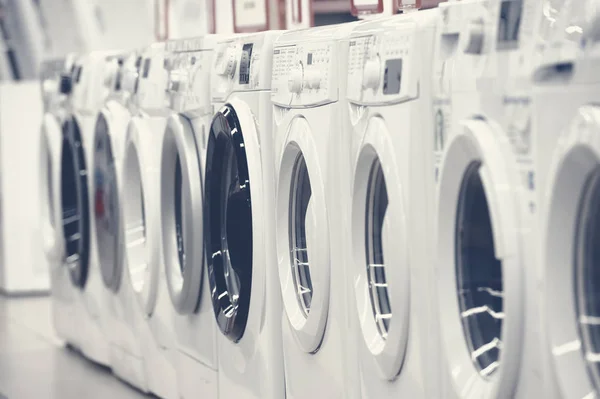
(110, 132)
(487, 288)
(239, 239)
(189, 62)
(142, 221)
(566, 121)
(56, 85)
(77, 154)
(389, 187)
(308, 93)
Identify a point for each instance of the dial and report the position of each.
(130, 77)
(227, 62)
(475, 36)
(371, 73)
(111, 73)
(313, 78)
(296, 79)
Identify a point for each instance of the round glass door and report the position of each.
(228, 223)
(479, 261)
(302, 236)
(375, 210)
(570, 258)
(587, 275)
(74, 203)
(381, 277)
(106, 206)
(478, 274)
(300, 196)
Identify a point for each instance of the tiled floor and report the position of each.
(35, 364)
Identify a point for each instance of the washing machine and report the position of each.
(389, 107)
(486, 284)
(77, 202)
(55, 89)
(125, 354)
(189, 63)
(308, 94)
(142, 225)
(239, 201)
(566, 119)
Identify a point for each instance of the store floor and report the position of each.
(35, 364)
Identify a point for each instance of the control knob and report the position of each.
(475, 36)
(371, 72)
(66, 83)
(111, 73)
(313, 78)
(227, 62)
(129, 79)
(295, 80)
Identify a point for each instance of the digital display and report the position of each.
(245, 63)
(146, 68)
(309, 59)
(78, 74)
(509, 25)
(392, 76)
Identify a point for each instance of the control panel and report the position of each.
(51, 77)
(304, 75)
(188, 63)
(380, 67)
(237, 67)
(88, 90)
(150, 89)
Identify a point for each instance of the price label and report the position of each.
(358, 7)
(250, 15)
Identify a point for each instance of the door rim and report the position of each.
(50, 152)
(135, 141)
(179, 141)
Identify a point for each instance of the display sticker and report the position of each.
(509, 25)
(250, 15)
(245, 63)
(358, 7)
(392, 76)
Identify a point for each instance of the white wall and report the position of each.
(23, 267)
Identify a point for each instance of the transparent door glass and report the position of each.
(479, 275)
(376, 207)
(587, 275)
(300, 196)
(179, 220)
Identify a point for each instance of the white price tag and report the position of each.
(366, 6)
(250, 15)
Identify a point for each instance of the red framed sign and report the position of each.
(161, 20)
(250, 16)
(300, 13)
